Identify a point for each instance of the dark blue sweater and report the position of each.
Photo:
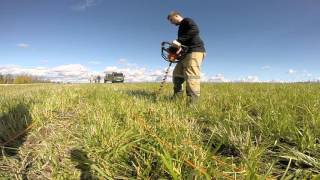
(188, 35)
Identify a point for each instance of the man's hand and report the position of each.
(179, 50)
(176, 44)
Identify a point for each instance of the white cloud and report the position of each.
(301, 75)
(218, 78)
(16, 70)
(84, 4)
(252, 79)
(133, 73)
(291, 71)
(23, 45)
(249, 79)
(204, 77)
(65, 73)
(80, 73)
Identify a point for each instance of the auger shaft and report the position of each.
(164, 78)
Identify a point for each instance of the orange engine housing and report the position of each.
(172, 56)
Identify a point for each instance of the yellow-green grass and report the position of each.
(126, 131)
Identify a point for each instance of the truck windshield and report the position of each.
(118, 75)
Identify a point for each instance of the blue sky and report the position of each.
(262, 40)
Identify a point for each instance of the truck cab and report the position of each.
(114, 77)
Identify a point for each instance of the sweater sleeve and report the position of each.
(188, 30)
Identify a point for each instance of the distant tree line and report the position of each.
(21, 79)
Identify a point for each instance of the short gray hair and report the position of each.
(173, 13)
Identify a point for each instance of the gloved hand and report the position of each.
(175, 43)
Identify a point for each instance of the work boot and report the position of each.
(177, 95)
(192, 101)
(177, 87)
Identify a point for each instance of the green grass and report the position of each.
(123, 131)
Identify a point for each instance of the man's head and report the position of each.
(175, 17)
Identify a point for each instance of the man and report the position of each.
(98, 79)
(188, 69)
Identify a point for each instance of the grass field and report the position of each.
(122, 131)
